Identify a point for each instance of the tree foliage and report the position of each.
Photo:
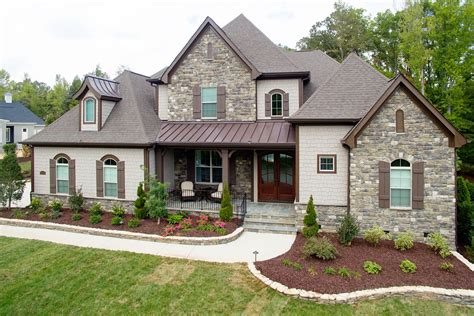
(11, 178)
(156, 201)
(226, 212)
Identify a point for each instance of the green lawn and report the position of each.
(44, 278)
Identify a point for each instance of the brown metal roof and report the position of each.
(277, 134)
(103, 88)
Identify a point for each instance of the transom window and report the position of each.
(62, 175)
(209, 103)
(400, 184)
(327, 163)
(89, 110)
(277, 104)
(208, 166)
(110, 178)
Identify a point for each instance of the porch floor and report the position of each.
(270, 209)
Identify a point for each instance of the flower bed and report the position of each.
(208, 228)
(346, 273)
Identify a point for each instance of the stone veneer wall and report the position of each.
(328, 217)
(106, 203)
(224, 69)
(180, 165)
(422, 141)
(243, 173)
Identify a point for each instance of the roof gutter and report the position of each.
(106, 145)
(309, 121)
(284, 75)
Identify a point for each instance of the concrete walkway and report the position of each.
(240, 250)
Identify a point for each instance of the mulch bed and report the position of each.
(428, 272)
(147, 226)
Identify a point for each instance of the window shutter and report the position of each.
(72, 176)
(268, 106)
(286, 104)
(52, 176)
(121, 179)
(196, 102)
(190, 163)
(221, 102)
(384, 184)
(418, 185)
(99, 168)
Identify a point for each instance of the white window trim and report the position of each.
(333, 170)
(271, 104)
(207, 102)
(8, 135)
(116, 183)
(204, 166)
(85, 112)
(57, 178)
(411, 188)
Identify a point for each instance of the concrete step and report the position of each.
(279, 229)
(270, 216)
(286, 221)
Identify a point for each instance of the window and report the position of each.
(110, 178)
(8, 136)
(89, 110)
(277, 104)
(399, 121)
(62, 175)
(209, 102)
(208, 166)
(400, 184)
(326, 163)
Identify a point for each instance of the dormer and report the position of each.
(97, 98)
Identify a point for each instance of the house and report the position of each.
(17, 122)
(277, 125)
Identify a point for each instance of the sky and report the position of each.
(70, 37)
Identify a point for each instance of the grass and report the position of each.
(41, 278)
(25, 168)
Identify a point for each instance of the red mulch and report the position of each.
(147, 226)
(353, 257)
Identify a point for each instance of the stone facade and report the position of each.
(421, 141)
(106, 203)
(180, 167)
(243, 173)
(329, 217)
(225, 69)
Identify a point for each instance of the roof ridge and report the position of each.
(367, 65)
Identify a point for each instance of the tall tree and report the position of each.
(11, 178)
(99, 72)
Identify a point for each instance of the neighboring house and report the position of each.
(278, 125)
(17, 122)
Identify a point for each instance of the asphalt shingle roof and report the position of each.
(17, 112)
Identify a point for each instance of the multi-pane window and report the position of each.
(400, 184)
(277, 104)
(62, 175)
(209, 102)
(110, 178)
(89, 110)
(327, 163)
(208, 166)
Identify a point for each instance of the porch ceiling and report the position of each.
(271, 134)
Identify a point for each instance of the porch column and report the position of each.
(225, 165)
(159, 164)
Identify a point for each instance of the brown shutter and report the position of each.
(384, 184)
(52, 176)
(190, 163)
(221, 102)
(196, 102)
(99, 177)
(268, 106)
(418, 185)
(286, 104)
(121, 179)
(399, 121)
(72, 176)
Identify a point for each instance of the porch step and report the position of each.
(270, 220)
(278, 229)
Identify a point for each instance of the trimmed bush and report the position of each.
(376, 234)
(227, 211)
(118, 210)
(310, 231)
(116, 220)
(36, 205)
(439, 244)
(56, 205)
(134, 222)
(95, 218)
(329, 271)
(407, 266)
(174, 219)
(76, 217)
(43, 215)
(372, 267)
(76, 201)
(446, 266)
(404, 241)
(96, 209)
(348, 230)
(321, 248)
(139, 210)
(310, 220)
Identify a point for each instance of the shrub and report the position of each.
(95, 218)
(344, 272)
(96, 209)
(76, 201)
(348, 230)
(286, 262)
(156, 202)
(118, 210)
(133, 222)
(203, 219)
(185, 214)
(169, 230)
(174, 219)
(36, 205)
(19, 214)
(372, 267)
(227, 211)
(321, 248)
(438, 243)
(311, 225)
(207, 227)
(186, 223)
(446, 266)
(407, 266)
(56, 205)
(55, 214)
(139, 210)
(43, 215)
(404, 241)
(375, 234)
(295, 265)
(76, 217)
(465, 211)
(329, 270)
(219, 227)
(116, 220)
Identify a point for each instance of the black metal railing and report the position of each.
(205, 200)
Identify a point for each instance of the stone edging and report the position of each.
(454, 296)
(125, 234)
(463, 260)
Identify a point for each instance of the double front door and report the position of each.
(276, 176)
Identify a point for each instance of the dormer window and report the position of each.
(89, 111)
(277, 104)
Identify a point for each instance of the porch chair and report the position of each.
(187, 191)
(217, 195)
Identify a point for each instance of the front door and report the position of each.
(276, 176)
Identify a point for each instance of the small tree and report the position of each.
(12, 184)
(155, 205)
(227, 211)
(311, 225)
(140, 211)
(76, 201)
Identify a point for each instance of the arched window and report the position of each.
(62, 175)
(400, 121)
(89, 110)
(277, 104)
(400, 184)
(110, 178)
